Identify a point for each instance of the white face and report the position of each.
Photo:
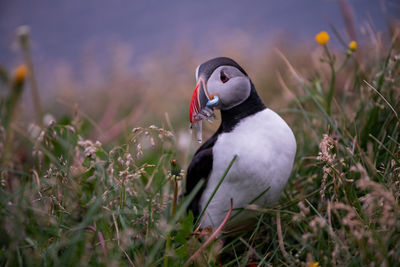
(230, 84)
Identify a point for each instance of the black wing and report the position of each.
(200, 168)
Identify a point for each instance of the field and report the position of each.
(87, 179)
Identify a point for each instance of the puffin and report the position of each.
(261, 142)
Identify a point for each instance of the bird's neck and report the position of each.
(233, 116)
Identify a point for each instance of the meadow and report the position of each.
(87, 179)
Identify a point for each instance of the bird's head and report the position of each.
(221, 84)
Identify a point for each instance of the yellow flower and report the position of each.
(313, 264)
(353, 46)
(20, 73)
(322, 38)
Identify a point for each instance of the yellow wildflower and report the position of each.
(322, 38)
(313, 264)
(20, 73)
(353, 46)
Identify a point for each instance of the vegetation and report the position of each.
(67, 199)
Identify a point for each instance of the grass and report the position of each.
(68, 200)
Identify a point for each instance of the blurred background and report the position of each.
(90, 91)
(129, 63)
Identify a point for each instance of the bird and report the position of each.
(262, 142)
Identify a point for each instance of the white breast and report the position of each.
(265, 147)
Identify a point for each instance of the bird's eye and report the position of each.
(223, 77)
